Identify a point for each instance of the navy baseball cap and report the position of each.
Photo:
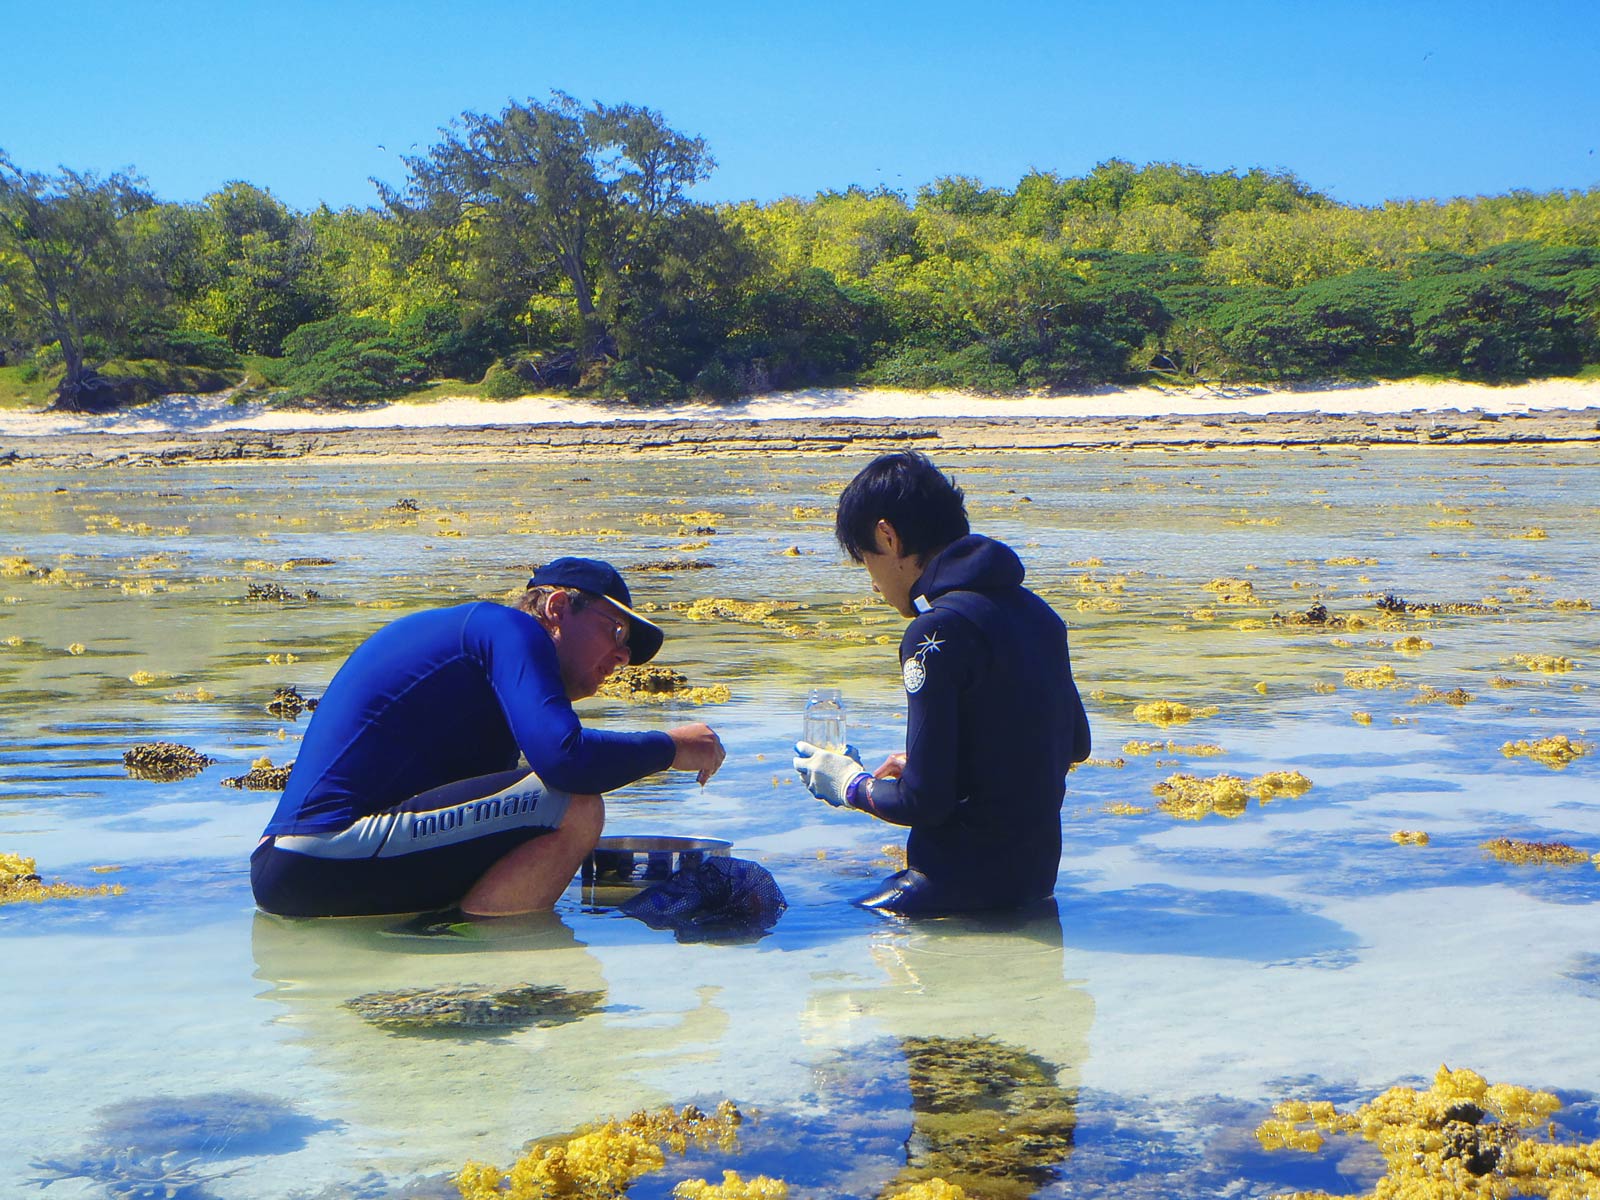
(602, 579)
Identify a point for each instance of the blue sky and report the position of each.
(1367, 101)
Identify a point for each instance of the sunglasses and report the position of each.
(619, 630)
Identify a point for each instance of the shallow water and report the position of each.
(1197, 972)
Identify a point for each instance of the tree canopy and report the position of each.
(557, 245)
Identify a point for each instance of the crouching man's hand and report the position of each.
(699, 750)
(826, 773)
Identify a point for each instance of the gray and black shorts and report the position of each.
(425, 853)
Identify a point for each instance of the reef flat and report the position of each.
(609, 439)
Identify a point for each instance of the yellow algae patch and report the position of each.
(1535, 534)
(1170, 712)
(1199, 749)
(1088, 583)
(1462, 1139)
(1409, 837)
(1232, 591)
(1428, 694)
(600, 1162)
(1448, 524)
(1098, 604)
(1412, 644)
(1267, 788)
(1121, 808)
(1556, 751)
(659, 685)
(1371, 677)
(1279, 1134)
(1552, 854)
(711, 608)
(1361, 718)
(1114, 763)
(1190, 798)
(1350, 560)
(1202, 614)
(931, 1189)
(732, 1187)
(1087, 562)
(804, 512)
(143, 678)
(20, 884)
(76, 648)
(1578, 605)
(1550, 664)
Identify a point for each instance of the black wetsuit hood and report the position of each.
(970, 564)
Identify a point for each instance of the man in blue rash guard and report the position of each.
(993, 717)
(445, 765)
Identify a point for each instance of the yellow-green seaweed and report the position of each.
(1463, 1138)
(600, 1162)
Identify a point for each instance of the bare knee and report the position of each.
(585, 819)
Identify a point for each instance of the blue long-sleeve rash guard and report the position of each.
(993, 722)
(445, 695)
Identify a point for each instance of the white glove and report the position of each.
(826, 773)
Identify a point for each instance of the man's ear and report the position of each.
(558, 605)
(886, 538)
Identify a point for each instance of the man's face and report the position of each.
(892, 573)
(592, 642)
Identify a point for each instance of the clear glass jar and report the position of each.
(824, 720)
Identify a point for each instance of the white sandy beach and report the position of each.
(197, 413)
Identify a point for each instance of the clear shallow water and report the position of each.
(1198, 971)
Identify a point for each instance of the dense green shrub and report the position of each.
(970, 369)
(347, 360)
(639, 383)
(503, 382)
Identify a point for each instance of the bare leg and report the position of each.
(532, 877)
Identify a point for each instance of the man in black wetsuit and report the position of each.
(994, 719)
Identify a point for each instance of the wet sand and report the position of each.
(814, 435)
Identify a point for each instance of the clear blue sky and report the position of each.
(1367, 101)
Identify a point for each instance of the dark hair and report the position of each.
(908, 491)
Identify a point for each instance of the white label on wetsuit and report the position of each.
(914, 672)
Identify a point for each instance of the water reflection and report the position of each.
(1211, 966)
(495, 1092)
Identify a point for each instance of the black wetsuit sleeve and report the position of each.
(1078, 734)
(938, 656)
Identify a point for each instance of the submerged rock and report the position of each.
(164, 761)
(277, 593)
(470, 1008)
(288, 702)
(261, 777)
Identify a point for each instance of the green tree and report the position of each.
(67, 264)
(557, 192)
(259, 265)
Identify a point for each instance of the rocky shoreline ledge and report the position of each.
(1289, 430)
